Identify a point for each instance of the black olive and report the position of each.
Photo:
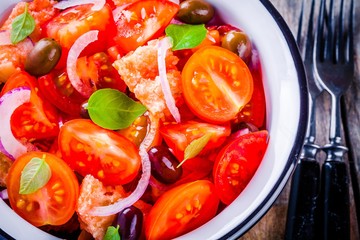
(195, 12)
(130, 221)
(43, 57)
(164, 165)
(237, 42)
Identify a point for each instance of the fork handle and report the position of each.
(302, 209)
(335, 201)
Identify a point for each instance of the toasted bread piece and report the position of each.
(139, 70)
(93, 193)
(5, 164)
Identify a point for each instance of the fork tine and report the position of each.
(319, 46)
(298, 36)
(350, 45)
(310, 33)
(330, 45)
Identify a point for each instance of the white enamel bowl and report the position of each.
(286, 98)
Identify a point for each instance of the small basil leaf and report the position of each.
(112, 233)
(185, 36)
(22, 26)
(34, 176)
(195, 147)
(112, 109)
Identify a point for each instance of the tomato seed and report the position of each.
(20, 204)
(58, 199)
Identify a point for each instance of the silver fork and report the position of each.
(334, 66)
(302, 219)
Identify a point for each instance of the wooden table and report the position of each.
(272, 225)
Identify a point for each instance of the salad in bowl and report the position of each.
(144, 119)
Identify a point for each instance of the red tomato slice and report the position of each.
(255, 110)
(181, 210)
(90, 149)
(74, 22)
(58, 90)
(237, 163)
(98, 70)
(217, 84)
(179, 135)
(36, 119)
(54, 203)
(142, 21)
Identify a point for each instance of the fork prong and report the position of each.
(330, 45)
(350, 40)
(319, 46)
(305, 41)
(299, 32)
(310, 33)
(344, 37)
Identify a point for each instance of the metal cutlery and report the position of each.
(334, 67)
(305, 186)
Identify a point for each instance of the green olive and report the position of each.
(43, 57)
(237, 42)
(195, 12)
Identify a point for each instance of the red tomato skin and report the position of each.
(54, 203)
(216, 84)
(34, 120)
(179, 135)
(64, 97)
(135, 27)
(255, 110)
(73, 22)
(237, 163)
(90, 149)
(182, 209)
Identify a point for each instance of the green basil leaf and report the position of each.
(112, 109)
(34, 176)
(22, 26)
(112, 233)
(185, 36)
(195, 147)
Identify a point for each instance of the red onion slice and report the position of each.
(163, 46)
(74, 53)
(134, 196)
(98, 4)
(11, 100)
(4, 194)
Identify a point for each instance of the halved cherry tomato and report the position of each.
(217, 84)
(52, 204)
(70, 24)
(179, 135)
(58, 90)
(34, 120)
(181, 210)
(98, 70)
(143, 20)
(237, 163)
(254, 111)
(90, 149)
